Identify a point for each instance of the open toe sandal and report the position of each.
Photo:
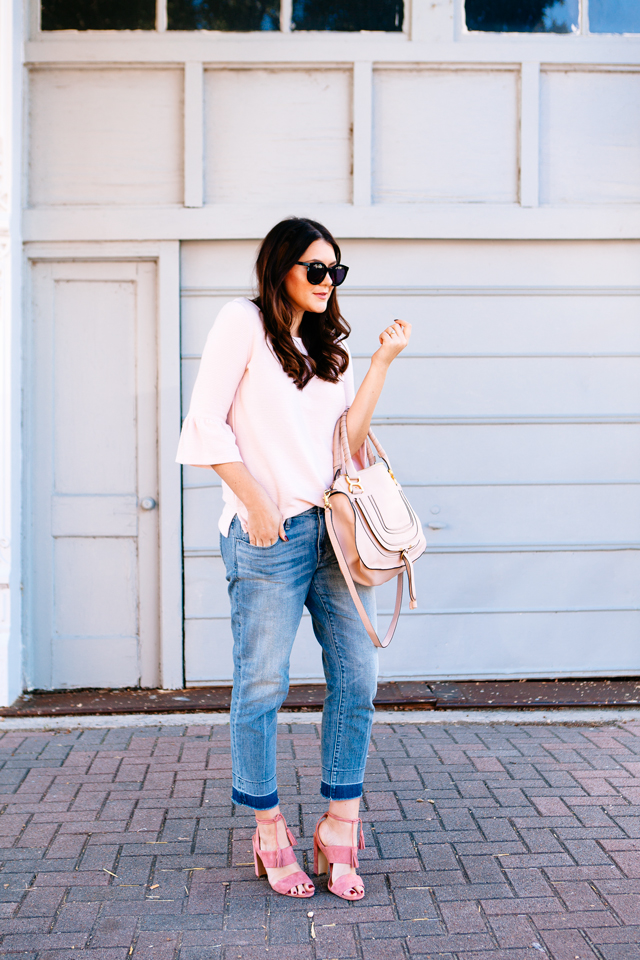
(325, 856)
(280, 858)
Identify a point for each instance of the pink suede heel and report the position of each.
(280, 858)
(325, 856)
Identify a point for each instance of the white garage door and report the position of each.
(514, 423)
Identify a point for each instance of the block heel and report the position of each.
(261, 870)
(320, 862)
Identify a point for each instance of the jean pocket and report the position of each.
(236, 531)
(242, 536)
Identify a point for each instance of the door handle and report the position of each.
(435, 525)
(148, 503)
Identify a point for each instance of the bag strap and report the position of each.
(346, 573)
(342, 460)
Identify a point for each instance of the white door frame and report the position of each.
(166, 255)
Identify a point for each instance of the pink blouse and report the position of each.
(245, 408)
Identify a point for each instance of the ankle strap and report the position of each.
(360, 846)
(275, 819)
(290, 837)
(342, 819)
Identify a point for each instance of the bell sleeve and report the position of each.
(206, 437)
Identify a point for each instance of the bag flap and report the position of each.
(380, 504)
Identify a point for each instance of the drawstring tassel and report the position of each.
(413, 603)
(354, 854)
(292, 840)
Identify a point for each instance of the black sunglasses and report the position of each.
(317, 271)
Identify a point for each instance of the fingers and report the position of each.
(262, 541)
(395, 337)
(406, 327)
(398, 328)
(267, 539)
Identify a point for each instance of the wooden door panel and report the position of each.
(93, 590)
(96, 588)
(91, 516)
(95, 386)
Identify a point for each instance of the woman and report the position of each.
(275, 376)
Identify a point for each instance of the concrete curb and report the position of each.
(583, 716)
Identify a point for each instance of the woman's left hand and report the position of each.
(393, 340)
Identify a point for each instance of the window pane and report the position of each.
(614, 16)
(523, 16)
(347, 15)
(98, 14)
(223, 14)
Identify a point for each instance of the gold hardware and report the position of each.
(354, 483)
(326, 500)
(391, 474)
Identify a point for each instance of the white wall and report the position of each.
(11, 93)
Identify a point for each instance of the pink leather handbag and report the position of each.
(373, 528)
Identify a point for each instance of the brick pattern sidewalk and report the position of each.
(487, 842)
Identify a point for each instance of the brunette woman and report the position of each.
(275, 376)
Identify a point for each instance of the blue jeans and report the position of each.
(269, 587)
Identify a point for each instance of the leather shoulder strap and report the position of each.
(344, 567)
(342, 460)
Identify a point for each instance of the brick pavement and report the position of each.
(493, 842)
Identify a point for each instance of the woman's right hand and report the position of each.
(265, 523)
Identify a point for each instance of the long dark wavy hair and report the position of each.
(321, 333)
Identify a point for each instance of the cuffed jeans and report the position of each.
(269, 587)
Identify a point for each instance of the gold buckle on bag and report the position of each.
(354, 483)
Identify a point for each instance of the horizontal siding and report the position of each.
(514, 424)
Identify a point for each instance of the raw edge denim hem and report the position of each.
(256, 803)
(340, 791)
